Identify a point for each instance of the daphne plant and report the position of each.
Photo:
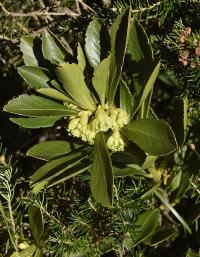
(117, 131)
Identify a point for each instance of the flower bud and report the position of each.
(116, 142)
(73, 124)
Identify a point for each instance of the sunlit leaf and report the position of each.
(32, 105)
(100, 79)
(36, 122)
(55, 94)
(155, 137)
(49, 150)
(73, 80)
(81, 57)
(126, 100)
(35, 76)
(92, 43)
(27, 48)
(52, 48)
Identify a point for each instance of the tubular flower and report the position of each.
(119, 117)
(86, 124)
(116, 142)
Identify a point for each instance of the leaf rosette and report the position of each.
(100, 109)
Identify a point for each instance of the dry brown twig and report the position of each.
(67, 12)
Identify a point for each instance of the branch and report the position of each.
(67, 12)
(147, 8)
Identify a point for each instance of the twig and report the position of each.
(67, 12)
(84, 5)
(13, 40)
(147, 8)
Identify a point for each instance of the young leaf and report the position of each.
(100, 79)
(35, 76)
(119, 37)
(146, 90)
(92, 43)
(36, 122)
(49, 150)
(101, 181)
(173, 211)
(146, 224)
(36, 222)
(81, 57)
(52, 48)
(126, 100)
(73, 80)
(32, 105)
(155, 137)
(179, 119)
(27, 48)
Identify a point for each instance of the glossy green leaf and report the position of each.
(73, 80)
(52, 48)
(27, 48)
(191, 253)
(119, 37)
(71, 172)
(145, 225)
(56, 166)
(126, 100)
(92, 43)
(36, 122)
(179, 119)
(81, 57)
(139, 48)
(35, 76)
(32, 105)
(36, 222)
(49, 150)
(155, 137)
(162, 234)
(101, 182)
(173, 211)
(146, 90)
(55, 94)
(100, 79)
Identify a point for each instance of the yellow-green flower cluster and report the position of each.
(86, 124)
